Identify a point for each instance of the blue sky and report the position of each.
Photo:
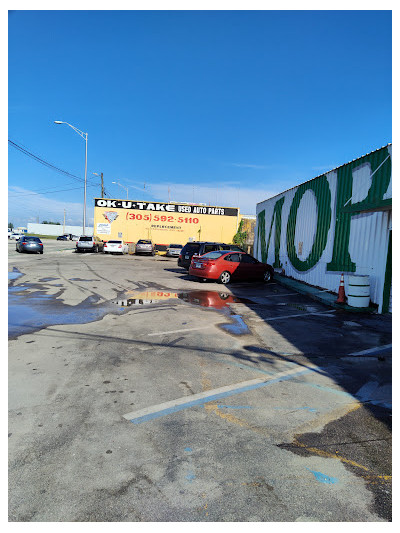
(221, 107)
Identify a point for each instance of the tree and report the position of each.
(11, 225)
(47, 222)
(241, 236)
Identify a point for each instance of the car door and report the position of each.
(231, 263)
(250, 267)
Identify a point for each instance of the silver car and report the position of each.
(89, 244)
(174, 250)
(145, 246)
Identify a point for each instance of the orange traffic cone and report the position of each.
(341, 294)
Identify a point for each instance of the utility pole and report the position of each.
(102, 185)
(64, 223)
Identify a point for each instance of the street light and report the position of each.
(84, 136)
(123, 186)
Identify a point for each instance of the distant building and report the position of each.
(57, 229)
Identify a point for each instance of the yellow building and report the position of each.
(163, 223)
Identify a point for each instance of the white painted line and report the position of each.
(173, 406)
(291, 316)
(372, 350)
(178, 331)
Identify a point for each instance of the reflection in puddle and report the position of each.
(215, 300)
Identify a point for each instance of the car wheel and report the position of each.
(225, 277)
(267, 276)
(223, 295)
(41, 252)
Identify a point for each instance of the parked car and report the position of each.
(62, 238)
(174, 250)
(145, 246)
(15, 235)
(89, 244)
(9, 232)
(29, 244)
(200, 248)
(115, 247)
(225, 266)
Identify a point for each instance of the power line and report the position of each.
(48, 191)
(43, 162)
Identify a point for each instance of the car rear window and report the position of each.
(35, 239)
(191, 247)
(175, 245)
(114, 242)
(214, 255)
(85, 239)
(143, 242)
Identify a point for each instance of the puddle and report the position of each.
(238, 327)
(219, 301)
(15, 274)
(80, 279)
(48, 279)
(216, 300)
(213, 299)
(32, 311)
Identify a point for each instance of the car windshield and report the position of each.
(85, 239)
(232, 247)
(114, 242)
(175, 245)
(34, 239)
(214, 255)
(144, 242)
(191, 248)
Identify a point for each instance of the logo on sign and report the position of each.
(110, 215)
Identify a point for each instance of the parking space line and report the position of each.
(157, 411)
(386, 347)
(292, 316)
(178, 331)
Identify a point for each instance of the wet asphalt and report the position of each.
(245, 402)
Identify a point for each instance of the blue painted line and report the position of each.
(323, 478)
(245, 367)
(234, 407)
(213, 397)
(329, 389)
(311, 409)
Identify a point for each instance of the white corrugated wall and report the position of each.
(368, 243)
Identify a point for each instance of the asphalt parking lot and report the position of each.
(138, 394)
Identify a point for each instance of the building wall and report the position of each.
(163, 223)
(337, 222)
(55, 229)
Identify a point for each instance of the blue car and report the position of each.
(29, 244)
(62, 238)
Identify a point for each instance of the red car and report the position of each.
(227, 265)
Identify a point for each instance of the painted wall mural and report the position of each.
(337, 222)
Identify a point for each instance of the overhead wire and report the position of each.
(44, 162)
